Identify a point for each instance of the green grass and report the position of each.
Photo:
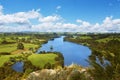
(10, 40)
(40, 60)
(85, 37)
(106, 39)
(5, 58)
(8, 47)
(29, 45)
(20, 37)
(12, 47)
(7, 39)
(0, 40)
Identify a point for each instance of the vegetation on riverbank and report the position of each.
(15, 47)
(9, 41)
(104, 60)
(105, 57)
(71, 72)
(32, 62)
(42, 59)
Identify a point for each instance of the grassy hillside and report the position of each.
(41, 59)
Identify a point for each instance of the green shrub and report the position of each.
(47, 66)
(4, 53)
(74, 75)
(20, 46)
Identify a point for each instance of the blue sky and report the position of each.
(64, 15)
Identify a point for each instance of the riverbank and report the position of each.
(104, 60)
(73, 53)
(71, 72)
(105, 56)
(17, 47)
(32, 62)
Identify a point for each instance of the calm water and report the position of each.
(73, 53)
(18, 66)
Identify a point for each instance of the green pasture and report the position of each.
(12, 47)
(5, 58)
(40, 60)
(8, 47)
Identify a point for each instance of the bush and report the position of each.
(20, 46)
(47, 66)
(4, 42)
(74, 75)
(4, 53)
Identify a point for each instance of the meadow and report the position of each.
(40, 60)
(30, 43)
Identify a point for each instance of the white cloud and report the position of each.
(109, 25)
(83, 23)
(28, 15)
(5, 28)
(79, 21)
(58, 7)
(21, 21)
(50, 18)
(19, 18)
(116, 21)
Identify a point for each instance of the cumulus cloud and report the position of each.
(17, 21)
(109, 25)
(83, 23)
(21, 21)
(50, 18)
(20, 17)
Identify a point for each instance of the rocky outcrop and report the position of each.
(68, 73)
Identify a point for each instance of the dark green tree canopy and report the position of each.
(20, 46)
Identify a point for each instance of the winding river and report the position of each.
(72, 52)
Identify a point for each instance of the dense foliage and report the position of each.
(20, 46)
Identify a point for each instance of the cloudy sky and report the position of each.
(60, 15)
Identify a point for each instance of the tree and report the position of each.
(4, 42)
(47, 66)
(109, 68)
(20, 46)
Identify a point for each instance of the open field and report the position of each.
(107, 39)
(5, 58)
(29, 45)
(40, 60)
(85, 37)
(8, 47)
(13, 47)
(10, 53)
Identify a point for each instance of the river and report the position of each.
(72, 52)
